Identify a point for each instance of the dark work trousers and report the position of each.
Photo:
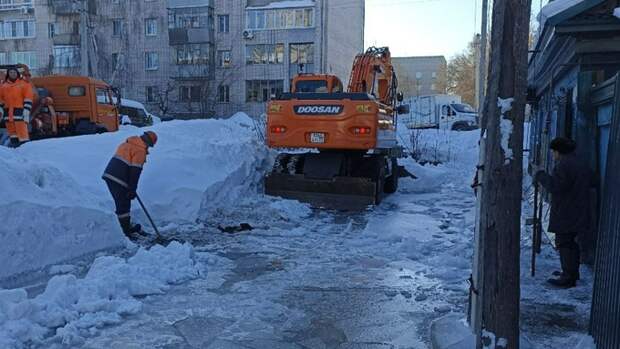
(119, 194)
(569, 254)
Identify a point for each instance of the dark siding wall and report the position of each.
(605, 323)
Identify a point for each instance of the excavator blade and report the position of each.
(342, 193)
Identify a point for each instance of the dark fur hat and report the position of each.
(563, 145)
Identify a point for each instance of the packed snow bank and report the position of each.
(56, 207)
(71, 309)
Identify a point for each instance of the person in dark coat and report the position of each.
(569, 186)
(122, 175)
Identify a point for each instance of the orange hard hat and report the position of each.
(150, 137)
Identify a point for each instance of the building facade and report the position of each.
(420, 76)
(574, 92)
(186, 58)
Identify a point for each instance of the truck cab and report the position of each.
(458, 117)
(81, 105)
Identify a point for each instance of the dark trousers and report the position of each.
(119, 194)
(569, 254)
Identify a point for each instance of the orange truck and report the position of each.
(69, 105)
(349, 136)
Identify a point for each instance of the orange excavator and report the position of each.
(349, 136)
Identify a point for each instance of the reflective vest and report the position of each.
(126, 165)
(15, 97)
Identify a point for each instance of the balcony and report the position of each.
(66, 39)
(65, 7)
(27, 6)
(189, 72)
(182, 36)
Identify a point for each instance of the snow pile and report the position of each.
(617, 12)
(506, 128)
(56, 207)
(71, 309)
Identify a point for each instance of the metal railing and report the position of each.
(14, 5)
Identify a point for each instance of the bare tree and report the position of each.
(461, 75)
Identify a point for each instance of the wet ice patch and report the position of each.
(71, 309)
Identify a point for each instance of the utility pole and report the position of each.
(482, 62)
(497, 285)
(83, 8)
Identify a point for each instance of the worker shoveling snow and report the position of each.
(56, 207)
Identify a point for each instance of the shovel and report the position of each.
(158, 239)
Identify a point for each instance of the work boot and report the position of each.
(137, 229)
(563, 282)
(559, 273)
(125, 223)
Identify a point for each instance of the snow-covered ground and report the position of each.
(303, 278)
(56, 207)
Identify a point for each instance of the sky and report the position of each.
(423, 27)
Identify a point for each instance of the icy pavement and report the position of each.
(373, 279)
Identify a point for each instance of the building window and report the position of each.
(434, 75)
(262, 90)
(190, 17)
(66, 56)
(224, 59)
(280, 18)
(114, 61)
(418, 75)
(150, 25)
(151, 94)
(16, 57)
(76, 27)
(17, 29)
(151, 61)
(264, 54)
(190, 93)
(223, 94)
(192, 54)
(433, 87)
(51, 30)
(117, 27)
(223, 23)
(302, 54)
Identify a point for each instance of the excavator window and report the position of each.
(337, 87)
(311, 86)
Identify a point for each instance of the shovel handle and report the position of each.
(148, 215)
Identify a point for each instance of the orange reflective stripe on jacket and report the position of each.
(126, 165)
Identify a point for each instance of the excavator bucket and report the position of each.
(322, 179)
(343, 193)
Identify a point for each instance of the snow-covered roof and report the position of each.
(555, 8)
(284, 4)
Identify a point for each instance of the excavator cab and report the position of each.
(315, 83)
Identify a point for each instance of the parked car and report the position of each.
(134, 113)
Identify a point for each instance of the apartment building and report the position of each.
(262, 44)
(422, 75)
(186, 58)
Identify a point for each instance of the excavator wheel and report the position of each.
(391, 183)
(280, 165)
